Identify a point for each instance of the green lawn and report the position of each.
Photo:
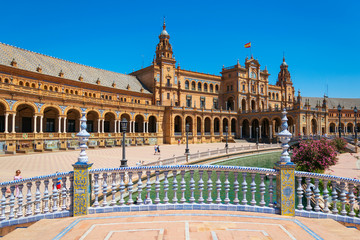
(259, 160)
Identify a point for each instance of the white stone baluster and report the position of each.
(236, 188)
(253, 189)
(192, 187)
(28, 200)
(183, 186)
(343, 198)
(308, 194)
(317, 195)
(113, 189)
(12, 202)
(201, 186)
(244, 189)
(227, 188)
(96, 189)
(326, 197)
(55, 196)
(262, 190)
(351, 199)
(271, 190)
(334, 197)
(130, 188)
(300, 192)
(20, 200)
(175, 187)
(3, 204)
(63, 193)
(104, 189)
(209, 187)
(166, 187)
(157, 188)
(46, 196)
(218, 187)
(122, 188)
(37, 198)
(139, 190)
(148, 188)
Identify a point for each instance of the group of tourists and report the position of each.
(157, 149)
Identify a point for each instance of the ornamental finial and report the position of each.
(284, 137)
(83, 138)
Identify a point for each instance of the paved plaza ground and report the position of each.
(36, 164)
(185, 225)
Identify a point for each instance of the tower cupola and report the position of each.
(164, 48)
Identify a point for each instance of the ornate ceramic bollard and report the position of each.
(285, 180)
(81, 173)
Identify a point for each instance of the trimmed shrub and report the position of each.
(339, 144)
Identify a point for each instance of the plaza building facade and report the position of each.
(42, 98)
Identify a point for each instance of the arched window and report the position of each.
(33, 85)
(50, 88)
(216, 88)
(21, 83)
(211, 88)
(45, 87)
(277, 96)
(205, 87)
(186, 84)
(27, 84)
(71, 92)
(199, 86)
(192, 85)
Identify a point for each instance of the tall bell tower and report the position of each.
(287, 90)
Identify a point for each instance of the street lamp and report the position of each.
(187, 139)
(355, 112)
(257, 136)
(123, 124)
(226, 135)
(339, 109)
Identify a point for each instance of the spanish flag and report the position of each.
(248, 45)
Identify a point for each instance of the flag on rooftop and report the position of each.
(248, 45)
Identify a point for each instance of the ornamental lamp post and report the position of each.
(123, 124)
(339, 109)
(226, 136)
(187, 138)
(355, 112)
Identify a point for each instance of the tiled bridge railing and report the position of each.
(227, 188)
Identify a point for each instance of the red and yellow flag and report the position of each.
(248, 45)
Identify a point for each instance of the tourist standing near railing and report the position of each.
(17, 177)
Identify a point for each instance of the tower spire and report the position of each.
(164, 25)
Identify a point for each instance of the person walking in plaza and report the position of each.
(17, 177)
(156, 149)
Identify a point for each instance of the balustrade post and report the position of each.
(175, 185)
(20, 201)
(55, 195)
(317, 195)
(148, 188)
(209, 187)
(157, 188)
(192, 186)
(96, 189)
(201, 186)
(130, 189)
(326, 197)
(183, 186)
(271, 191)
(46, 196)
(166, 187)
(300, 192)
(285, 178)
(244, 189)
(139, 199)
(12, 202)
(343, 198)
(81, 189)
(113, 189)
(3, 204)
(334, 197)
(227, 188)
(37, 197)
(104, 188)
(351, 199)
(28, 200)
(253, 189)
(262, 190)
(308, 194)
(236, 188)
(218, 187)
(122, 188)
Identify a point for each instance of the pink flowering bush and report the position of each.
(339, 144)
(314, 156)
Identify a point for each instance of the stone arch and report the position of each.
(67, 109)
(24, 117)
(27, 84)
(245, 128)
(313, 126)
(225, 124)
(21, 83)
(2, 117)
(127, 117)
(233, 125)
(178, 124)
(216, 125)
(276, 125)
(198, 125)
(332, 128)
(291, 127)
(189, 120)
(350, 128)
(5, 103)
(230, 103)
(139, 123)
(265, 128)
(33, 85)
(42, 109)
(51, 119)
(255, 128)
(73, 116)
(253, 105)
(17, 104)
(92, 122)
(152, 124)
(207, 126)
(109, 122)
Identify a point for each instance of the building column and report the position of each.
(119, 126)
(134, 126)
(64, 128)
(13, 123)
(259, 131)
(103, 123)
(98, 125)
(157, 127)
(147, 127)
(35, 117)
(241, 136)
(270, 130)
(59, 124)
(250, 131)
(6, 122)
(130, 129)
(115, 126)
(41, 124)
(144, 127)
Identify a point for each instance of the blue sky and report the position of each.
(321, 39)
